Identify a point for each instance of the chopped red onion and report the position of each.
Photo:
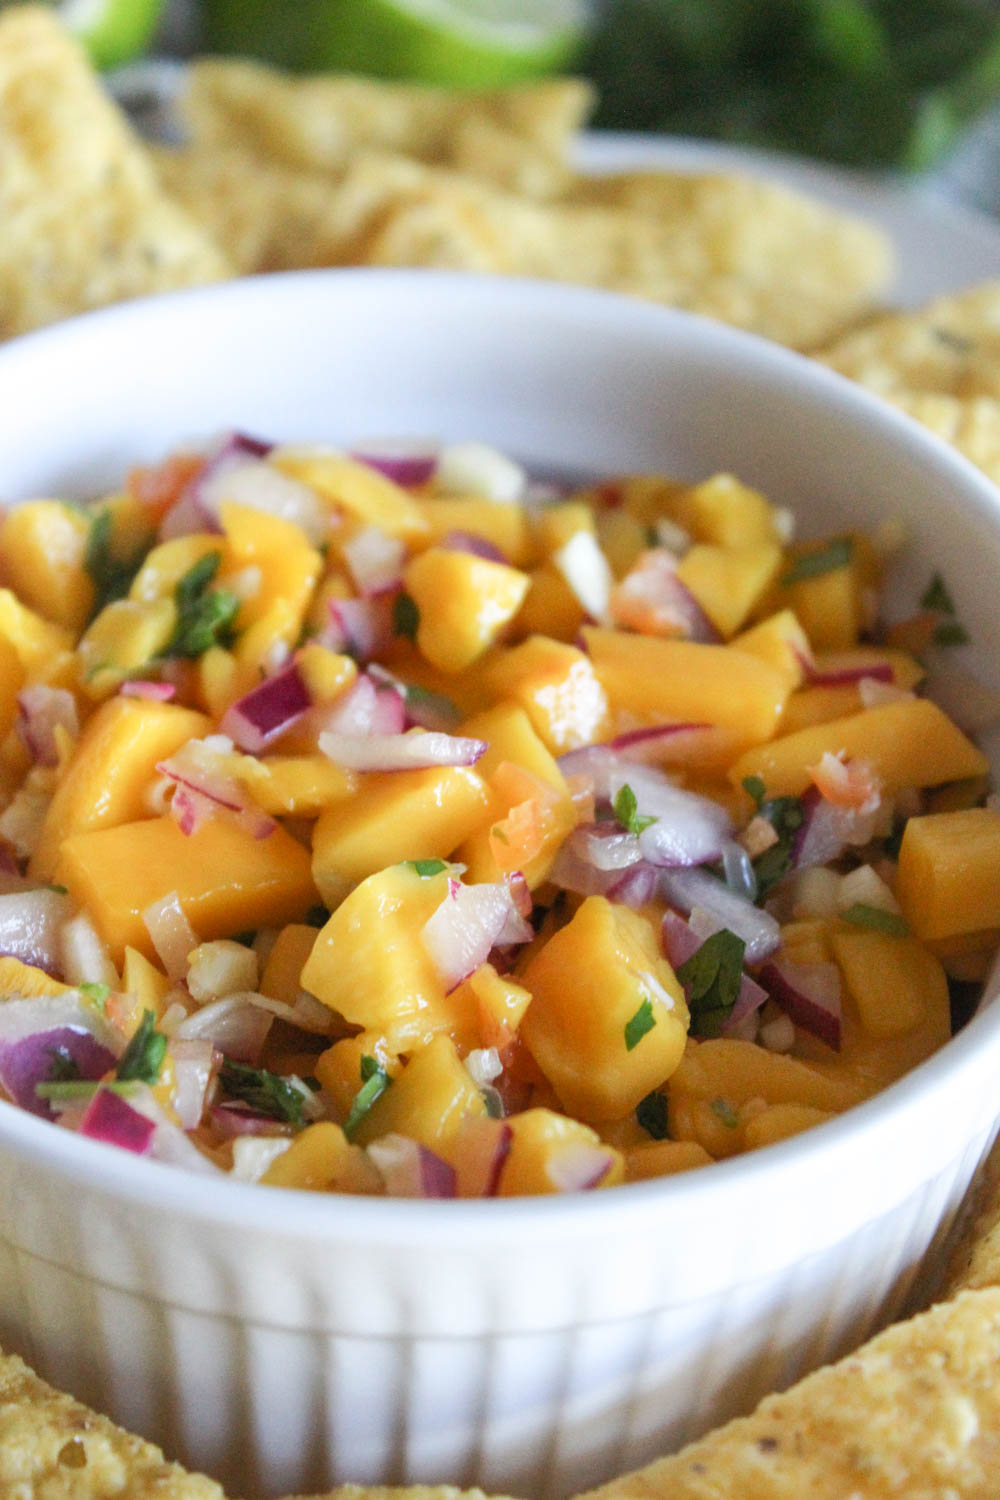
(359, 627)
(688, 889)
(412, 1170)
(749, 999)
(30, 927)
(484, 1144)
(234, 1025)
(652, 594)
(636, 887)
(171, 934)
(407, 464)
(203, 787)
(660, 744)
(688, 829)
(160, 692)
(576, 1166)
(827, 829)
(41, 711)
(412, 751)
(235, 1120)
(680, 942)
(29, 1060)
(470, 922)
(475, 546)
(375, 561)
(425, 709)
(108, 1117)
(605, 845)
(258, 718)
(238, 471)
(846, 676)
(809, 993)
(389, 713)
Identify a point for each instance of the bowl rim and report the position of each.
(309, 1216)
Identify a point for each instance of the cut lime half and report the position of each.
(113, 31)
(465, 43)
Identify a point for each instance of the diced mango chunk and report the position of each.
(464, 603)
(547, 1150)
(729, 582)
(948, 880)
(356, 488)
(895, 981)
(556, 686)
(427, 1101)
(43, 549)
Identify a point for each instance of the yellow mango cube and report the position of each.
(11, 683)
(779, 1122)
(298, 786)
(277, 551)
(370, 965)
(281, 978)
(663, 1159)
(464, 603)
(43, 551)
(398, 815)
(356, 488)
(111, 771)
(557, 687)
(20, 980)
(166, 564)
(656, 680)
(505, 526)
(543, 1144)
(607, 1019)
(146, 982)
(729, 582)
(830, 603)
(427, 1101)
(782, 643)
(36, 640)
(908, 743)
(125, 637)
(737, 1071)
(550, 607)
(948, 878)
(724, 512)
(895, 981)
(226, 880)
(321, 1159)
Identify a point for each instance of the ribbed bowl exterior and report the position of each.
(288, 1341)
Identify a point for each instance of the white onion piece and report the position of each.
(477, 469)
(260, 486)
(400, 752)
(220, 968)
(41, 711)
(576, 1166)
(483, 1065)
(21, 820)
(84, 954)
(171, 934)
(470, 922)
(605, 846)
(31, 926)
(254, 1154)
(195, 1064)
(20, 1018)
(375, 560)
(687, 889)
(411, 1170)
(236, 1025)
(827, 829)
(588, 573)
(688, 830)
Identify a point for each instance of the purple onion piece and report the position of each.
(809, 994)
(267, 711)
(30, 1061)
(475, 546)
(406, 469)
(437, 1177)
(109, 1117)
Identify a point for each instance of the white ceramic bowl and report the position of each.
(286, 1341)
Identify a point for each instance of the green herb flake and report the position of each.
(641, 1022)
(755, 789)
(97, 994)
(111, 575)
(405, 617)
(950, 633)
(876, 919)
(652, 1115)
(785, 816)
(836, 554)
(711, 978)
(626, 810)
(425, 868)
(266, 1093)
(374, 1082)
(142, 1059)
(64, 1067)
(724, 1111)
(937, 597)
(205, 615)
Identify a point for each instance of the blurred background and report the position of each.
(897, 84)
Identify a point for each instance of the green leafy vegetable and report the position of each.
(711, 978)
(425, 868)
(374, 1082)
(97, 994)
(785, 816)
(625, 807)
(637, 1027)
(876, 918)
(110, 574)
(652, 1114)
(266, 1093)
(64, 1067)
(836, 554)
(205, 615)
(405, 617)
(143, 1057)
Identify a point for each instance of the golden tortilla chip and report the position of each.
(746, 273)
(84, 219)
(516, 137)
(913, 1415)
(54, 1448)
(951, 347)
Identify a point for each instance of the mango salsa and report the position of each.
(380, 836)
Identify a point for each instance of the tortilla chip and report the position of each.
(702, 264)
(914, 1415)
(516, 137)
(53, 1447)
(85, 221)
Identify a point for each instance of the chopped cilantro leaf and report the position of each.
(626, 810)
(60, 890)
(876, 918)
(836, 554)
(143, 1057)
(425, 868)
(405, 617)
(755, 788)
(950, 633)
(204, 615)
(97, 994)
(785, 816)
(493, 1102)
(111, 576)
(711, 978)
(651, 1114)
(641, 1022)
(64, 1067)
(724, 1111)
(937, 597)
(266, 1093)
(374, 1081)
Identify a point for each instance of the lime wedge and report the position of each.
(113, 31)
(465, 43)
